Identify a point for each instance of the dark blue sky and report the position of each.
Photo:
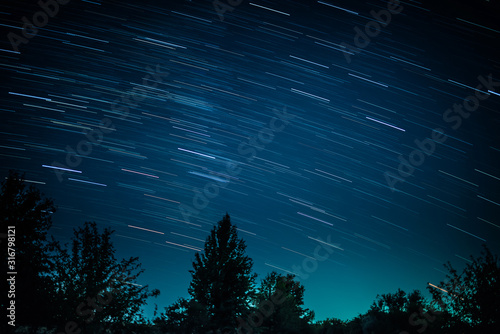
(283, 115)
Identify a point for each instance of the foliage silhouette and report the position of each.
(30, 213)
(473, 297)
(85, 283)
(281, 301)
(94, 289)
(399, 312)
(222, 279)
(330, 326)
(52, 282)
(184, 316)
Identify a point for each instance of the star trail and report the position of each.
(368, 127)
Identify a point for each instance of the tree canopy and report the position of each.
(93, 288)
(222, 278)
(472, 298)
(30, 213)
(55, 285)
(280, 300)
(81, 287)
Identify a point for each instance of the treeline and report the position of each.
(73, 288)
(81, 287)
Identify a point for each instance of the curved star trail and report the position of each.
(302, 119)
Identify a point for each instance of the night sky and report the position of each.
(157, 118)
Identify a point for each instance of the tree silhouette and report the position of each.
(182, 317)
(222, 279)
(400, 312)
(331, 326)
(472, 297)
(280, 300)
(30, 213)
(94, 289)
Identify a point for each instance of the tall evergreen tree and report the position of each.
(30, 213)
(222, 279)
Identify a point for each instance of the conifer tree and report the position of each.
(222, 279)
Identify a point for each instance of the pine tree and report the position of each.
(222, 279)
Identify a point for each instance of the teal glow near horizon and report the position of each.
(301, 119)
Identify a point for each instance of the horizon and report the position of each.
(367, 127)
